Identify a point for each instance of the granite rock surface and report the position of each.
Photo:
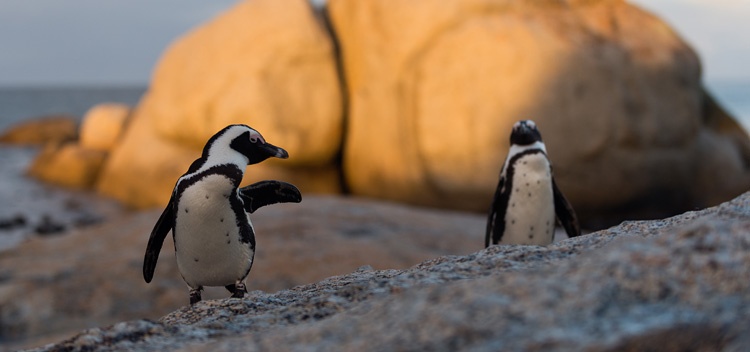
(670, 285)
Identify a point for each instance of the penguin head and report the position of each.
(525, 133)
(236, 142)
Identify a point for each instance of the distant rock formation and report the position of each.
(77, 162)
(669, 285)
(68, 165)
(413, 102)
(41, 131)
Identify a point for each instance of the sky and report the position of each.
(94, 42)
(718, 29)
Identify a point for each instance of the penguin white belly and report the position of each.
(207, 238)
(530, 218)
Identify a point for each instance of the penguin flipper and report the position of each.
(565, 213)
(156, 240)
(495, 228)
(264, 193)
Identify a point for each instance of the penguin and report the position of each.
(527, 200)
(207, 213)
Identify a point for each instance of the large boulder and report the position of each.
(266, 63)
(143, 168)
(669, 285)
(435, 86)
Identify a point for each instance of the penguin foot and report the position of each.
(195, 295)
(237, 289)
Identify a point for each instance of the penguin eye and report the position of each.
(256, 138)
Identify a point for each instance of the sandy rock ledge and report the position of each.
(673, 284)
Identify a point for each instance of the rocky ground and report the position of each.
(52, 287)
(670, 285)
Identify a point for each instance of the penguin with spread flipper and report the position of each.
(208, 213)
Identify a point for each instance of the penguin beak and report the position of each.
(524, 133)
(274, 151)
(257, 152)
(524, 129)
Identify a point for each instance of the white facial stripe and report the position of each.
(220, 151)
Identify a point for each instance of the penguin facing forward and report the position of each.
(208, 213)
(527, 199)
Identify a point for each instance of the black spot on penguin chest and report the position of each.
(231, 172)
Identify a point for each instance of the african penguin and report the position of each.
(527, 198)
(213, 237)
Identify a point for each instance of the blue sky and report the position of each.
(103, 42)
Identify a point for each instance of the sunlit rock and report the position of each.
(266, 63)
(269, 64)
(103, 125)
(68, 165)
(435, 87)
